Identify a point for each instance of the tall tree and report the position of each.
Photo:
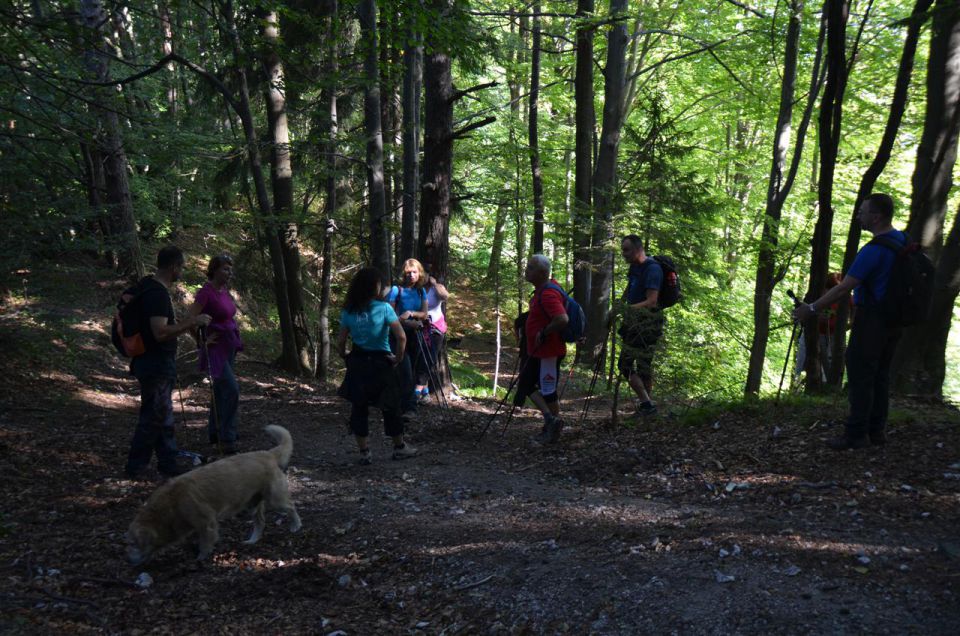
(585, 119)
(605, 180)
(124, 246)
(533, 133)
(778, 188)
(281, 177)
(380, 248)
(412, 90)
(830, 118)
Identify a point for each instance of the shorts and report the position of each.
(639, 344)
(538, 374)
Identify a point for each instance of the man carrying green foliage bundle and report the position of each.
(884, 295)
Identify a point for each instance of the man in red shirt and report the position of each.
(545, 348)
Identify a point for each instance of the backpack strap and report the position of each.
(890, 243)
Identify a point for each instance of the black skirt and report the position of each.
(371, 380)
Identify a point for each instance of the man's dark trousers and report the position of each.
(155, 432)
(869, 355)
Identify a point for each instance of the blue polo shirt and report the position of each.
(641, 277)
(872, 268)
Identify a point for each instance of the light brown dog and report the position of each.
(193, 504)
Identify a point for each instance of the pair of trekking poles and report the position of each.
(518, 373)
(423, 344)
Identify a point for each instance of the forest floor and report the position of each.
(717, 521)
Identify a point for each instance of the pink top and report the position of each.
(219, 305)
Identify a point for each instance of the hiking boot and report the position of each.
(544, 435)
(553, 430)
(404, 452)
(366, 457)
(845, 441)
(646, 409)
(878, 438)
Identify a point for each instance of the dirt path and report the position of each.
(741, 524)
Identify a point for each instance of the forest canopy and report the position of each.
(736, 137)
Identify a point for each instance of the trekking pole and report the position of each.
(513, 383)
(598, 366)
(793, 335)
(213, 391)
(431, 372)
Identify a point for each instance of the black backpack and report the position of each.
(670, 293)
(910, 287)
(127, 321)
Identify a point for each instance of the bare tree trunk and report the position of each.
(380, 249)
(437, 161)
(330, 207)
(496, 249)
(831, 112)
(583, 181)
(897, 108)
(605, 197)
(778, 188)
(122, 226)
(533, 134)
(289, 360)
(937, 153)
(281, 177)
(918, 366)
(412, 87)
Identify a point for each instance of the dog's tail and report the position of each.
(284, 448)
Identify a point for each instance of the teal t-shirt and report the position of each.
(370, 329)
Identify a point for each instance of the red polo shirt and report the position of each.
(545, 303)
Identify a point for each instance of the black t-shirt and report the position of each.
(155, 301)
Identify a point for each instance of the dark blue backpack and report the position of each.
(578, 320)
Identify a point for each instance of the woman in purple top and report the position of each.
(218, 350)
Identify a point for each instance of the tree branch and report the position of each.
(458, 95)
(459, 134)
(747, 7)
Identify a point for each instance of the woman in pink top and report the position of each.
(218, 351)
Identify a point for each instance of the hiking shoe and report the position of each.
(544, 435)
(878, 438)
(553, 430)
(366, 457)
(845, 441)
(646, 409)
(404, 452)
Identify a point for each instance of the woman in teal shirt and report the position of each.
(371, 379)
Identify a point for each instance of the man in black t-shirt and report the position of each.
(155, 369)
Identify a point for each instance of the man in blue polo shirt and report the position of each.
(642, 325)
(872, 343)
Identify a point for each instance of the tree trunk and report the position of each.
(917, 367)
(605, 197)
(379, 247)
(583, 181)
(289, 360)
(437, 161)
(897, 108)
(936, 155)
(533, 135)
(330, 207)
(122, 240)
(496, 249)
(412, 87)
(831, 112)
(281, 177)
(777, 191)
